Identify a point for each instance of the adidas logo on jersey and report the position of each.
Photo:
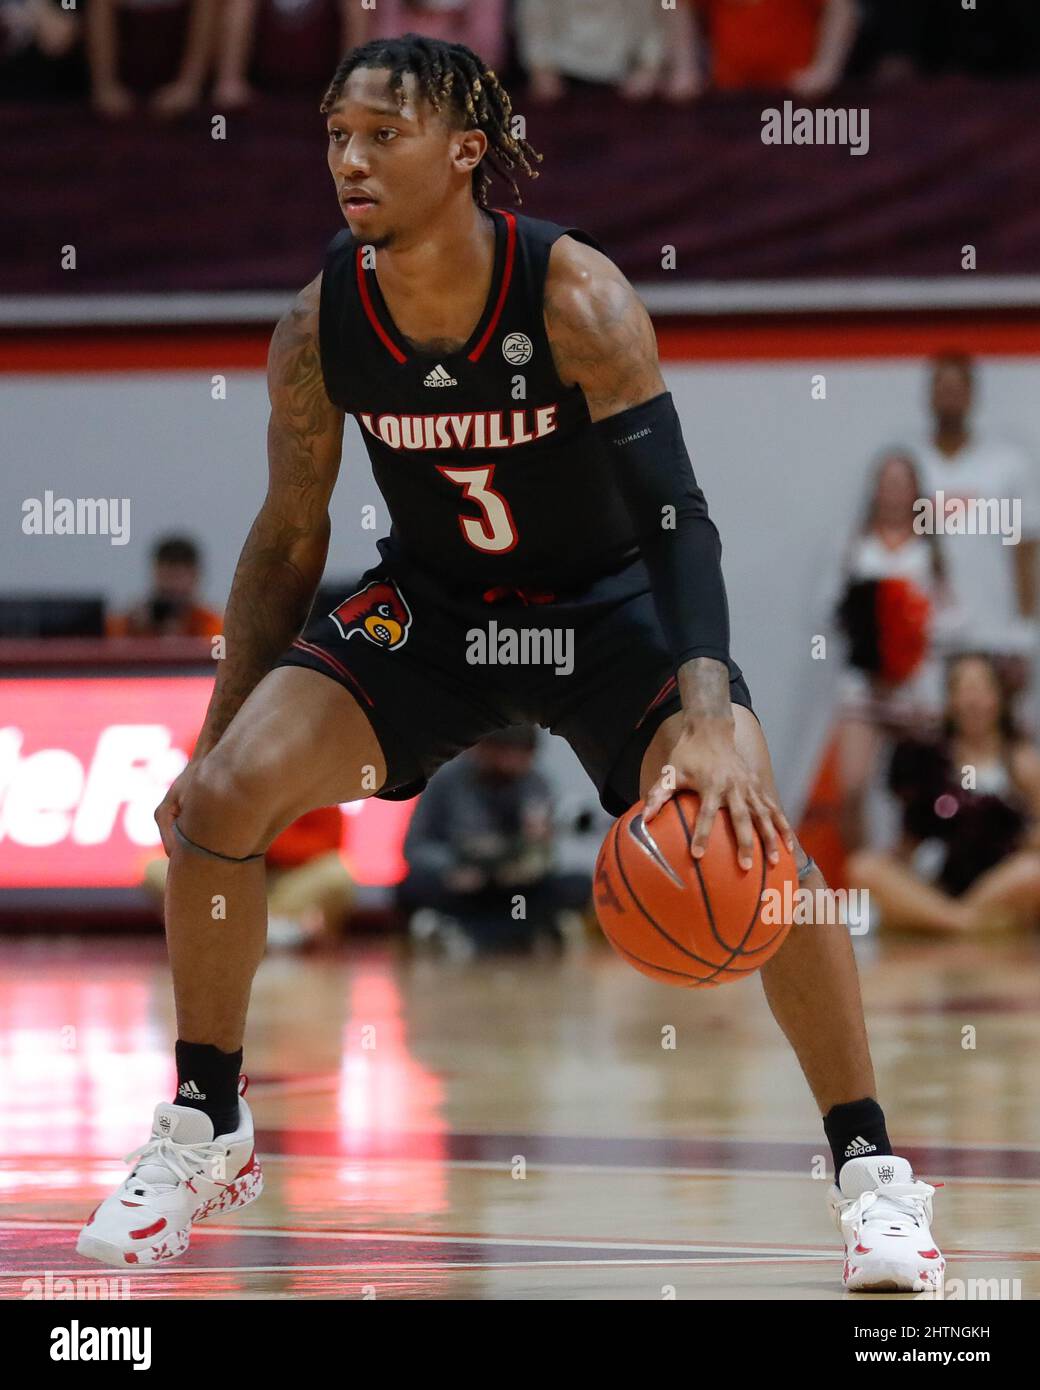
(190, 1091)
(859, 1147)
(439, 377)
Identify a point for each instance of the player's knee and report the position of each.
(229, 805)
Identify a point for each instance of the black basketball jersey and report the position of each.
(487, 462)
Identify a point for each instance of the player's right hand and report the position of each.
(710, 764)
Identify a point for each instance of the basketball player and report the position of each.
(505, 378)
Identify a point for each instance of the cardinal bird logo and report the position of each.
(378, 612)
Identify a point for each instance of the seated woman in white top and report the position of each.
(893, 607)
(968, 856)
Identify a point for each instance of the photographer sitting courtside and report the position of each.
(172, 608)
(480, 853)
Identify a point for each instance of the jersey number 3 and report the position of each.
(494, 531)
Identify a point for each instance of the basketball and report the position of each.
(680, 920)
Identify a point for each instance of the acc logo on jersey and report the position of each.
(517, 349)
(378, 612)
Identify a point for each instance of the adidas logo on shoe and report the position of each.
(439, 377)
(190, 1091)
(859, 1147)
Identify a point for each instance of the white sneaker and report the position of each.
(884, 1216)
(182, 1175)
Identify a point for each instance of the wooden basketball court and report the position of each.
(518, 1129)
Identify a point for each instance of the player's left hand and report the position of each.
(708, 762)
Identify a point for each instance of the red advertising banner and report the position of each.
(85, 761)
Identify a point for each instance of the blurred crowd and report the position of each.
(939, 627)
(936, 597)
(173, 55)
(939, 608)
(481, 849)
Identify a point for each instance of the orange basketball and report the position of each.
(685, 921)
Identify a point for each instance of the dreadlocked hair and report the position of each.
(449, 74)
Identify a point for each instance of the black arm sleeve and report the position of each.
(680, 545)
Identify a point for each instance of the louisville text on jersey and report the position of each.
(482, 429)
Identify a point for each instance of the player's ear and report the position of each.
(468, 149)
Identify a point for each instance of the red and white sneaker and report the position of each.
(884, 1215)
(182, 1175)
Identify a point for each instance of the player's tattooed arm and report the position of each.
(284, 555)
(603, 340)
(599, 330)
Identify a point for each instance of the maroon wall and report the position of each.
(152, 207)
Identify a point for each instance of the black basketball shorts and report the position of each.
(435, 670)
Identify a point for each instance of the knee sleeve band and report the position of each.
(807, 867)
(212, 853)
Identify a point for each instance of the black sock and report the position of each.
(207, 1079)
(856, 1130)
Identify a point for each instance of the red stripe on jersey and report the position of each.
(313, 650)
(503, 290)
(666, 689)
(367, 305)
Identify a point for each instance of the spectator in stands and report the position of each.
(801, 46)
(154, 23)
(300, 29)
(969, 854)
(616, 43)
(480, 853)
(289, 43)
(479, 24)
(993, 584)
(309, 891)
(36, 36)
(893, 606)
(172, 609)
